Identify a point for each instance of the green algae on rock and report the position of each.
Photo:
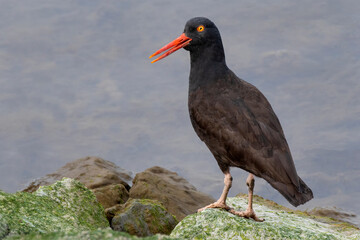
(279, 224)
(99, 234)
(143, 217)
(64, 206)
(4, 228)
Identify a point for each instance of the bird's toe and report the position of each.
(247, 214)
(221, 205)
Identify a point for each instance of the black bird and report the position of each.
(234, 119)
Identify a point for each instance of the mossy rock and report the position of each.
(4, 228)
(280, 223)
(143, 217)
(64, 206)
(99, 234)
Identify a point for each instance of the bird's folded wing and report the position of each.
(239, 123)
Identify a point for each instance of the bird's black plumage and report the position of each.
(234, 119)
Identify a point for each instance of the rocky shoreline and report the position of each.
(91, 198)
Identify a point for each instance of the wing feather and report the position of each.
(239, 126)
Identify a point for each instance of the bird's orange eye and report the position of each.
(200, 28)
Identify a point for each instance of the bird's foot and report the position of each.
(249, 213)
(215, 205)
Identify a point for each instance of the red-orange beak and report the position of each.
(175, 45)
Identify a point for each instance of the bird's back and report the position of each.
(240, 128)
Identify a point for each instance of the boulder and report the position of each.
(143, 217)
(93, 172)
(178, 196)
(111, 195)
(280, 223)
(109, 182)
(64, 206)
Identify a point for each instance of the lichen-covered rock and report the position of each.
(4, 228)
(111, 195)
(178, 196)
(279, 224)
(64, 206)
(93, 172)
(99, 234)
(143, 217)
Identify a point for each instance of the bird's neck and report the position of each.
(207, 65)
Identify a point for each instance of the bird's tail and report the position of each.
(295, 195)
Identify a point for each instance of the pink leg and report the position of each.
(249, 213)
(221, 203)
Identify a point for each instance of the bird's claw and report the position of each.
(215, 205)
(247, 214)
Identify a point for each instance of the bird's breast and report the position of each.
(206, 114)
(199, 104)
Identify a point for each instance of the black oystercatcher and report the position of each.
(234, 119)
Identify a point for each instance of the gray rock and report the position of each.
(178, 196)
(143, 217)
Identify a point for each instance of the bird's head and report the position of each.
(199, 32)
